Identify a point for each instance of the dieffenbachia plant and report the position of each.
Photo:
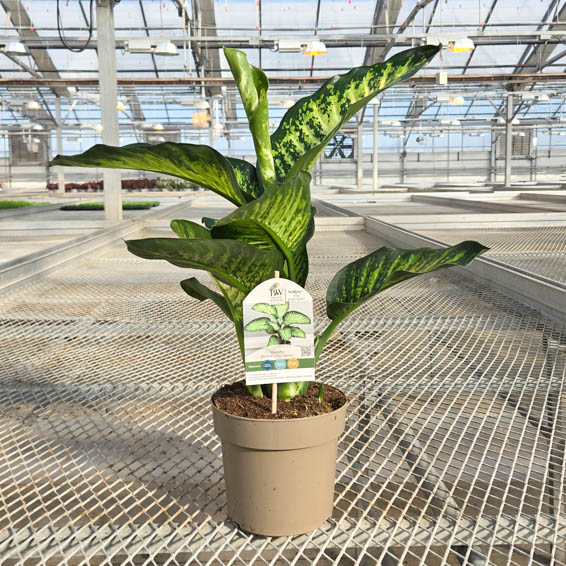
(280, 323)
(274, 219)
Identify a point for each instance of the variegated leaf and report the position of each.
(232, 262)
(362, 279)
(296, 317)
(273, 341)
(262, 224)
(197, 163)
(194, 288)
(253, 85)
(285, 334)
(247, 177)
(258, 324)
(209, 222)
(265, 308)
(282, 309)
(311, 123)
(189, 230)
(298, 332)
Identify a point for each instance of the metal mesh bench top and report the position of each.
(454, 445)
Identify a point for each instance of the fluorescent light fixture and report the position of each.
(476, 134)
(165, 49)
(289, 46)
(390, 122)
(32, 105)
(449, 122)
(37, 127)
(437, 135)
(315, 48)
(461, 45)
(287, 103)
(141, 45)
(91, 126)
(515, 122)
(15, 48)
(442, 98)
(535, 96)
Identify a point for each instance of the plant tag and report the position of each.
(278, 333)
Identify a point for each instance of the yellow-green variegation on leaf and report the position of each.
(199, 164)
(364, 278)
(312, 122)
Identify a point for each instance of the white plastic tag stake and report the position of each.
(274, 386)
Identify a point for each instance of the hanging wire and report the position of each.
(90, 29)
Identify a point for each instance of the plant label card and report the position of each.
(278, 333)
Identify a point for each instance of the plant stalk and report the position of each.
(323, 338)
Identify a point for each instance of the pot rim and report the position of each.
(251, 419)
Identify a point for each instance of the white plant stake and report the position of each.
(278, 335)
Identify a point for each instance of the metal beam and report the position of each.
(386, 13)
(537, 54)
(21, 20)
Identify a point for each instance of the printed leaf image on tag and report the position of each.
(278, 333)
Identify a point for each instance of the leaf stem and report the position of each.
(322, 339)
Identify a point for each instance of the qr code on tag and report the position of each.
(306, 351)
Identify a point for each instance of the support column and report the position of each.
(492, 177)
(360, 155)
(508, 139)
(108, 103)
(374, 163)
(404, 156)
(60, 170)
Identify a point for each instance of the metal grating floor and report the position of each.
(538, 250)
(454, 448)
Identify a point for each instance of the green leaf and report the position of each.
(311, 123)
(253, 85)
(362, 279)
(265, 308)
(236, 263)
(258, 324)
(281, 309)
(262, 224)
(275, 328)
(296, 317)
(273, 341)
(197, 163)
(297, 332)
(195, 289)
(285, 334)
(209, 222)
(189, 230)
(248, 179)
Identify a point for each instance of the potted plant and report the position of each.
(279, 471)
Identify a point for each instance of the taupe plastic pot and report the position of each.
(279, 474)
